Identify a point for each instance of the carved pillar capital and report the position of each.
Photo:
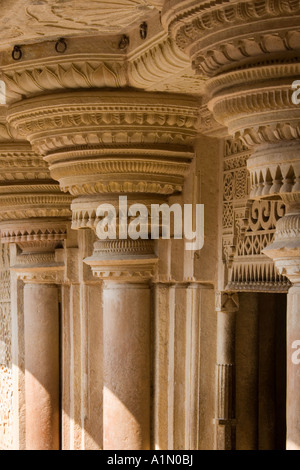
(129, 261)
(250, 64)
(106, 143)
(219, 36)
(33, 211)
(38, 261)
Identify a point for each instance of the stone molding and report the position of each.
(39, 275)
(32, 79)
(34, 233)
(159, 62)
(84, 208)
(43, 120)
(258, 116)
(208, 125)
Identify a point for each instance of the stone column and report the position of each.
(285, 251)
(41, 334)
(33, 219)
(41, 273)
(100, 145)
(227, 306)
(251, 65)
(293, 368)
(126, 341)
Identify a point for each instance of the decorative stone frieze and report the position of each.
(248, 227)
(275, 170)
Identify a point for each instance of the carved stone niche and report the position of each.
(107, 143)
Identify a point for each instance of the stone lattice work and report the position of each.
(5, 352)
(248, 227)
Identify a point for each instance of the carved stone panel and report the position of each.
(248, 227)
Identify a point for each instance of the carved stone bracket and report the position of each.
(227, 302)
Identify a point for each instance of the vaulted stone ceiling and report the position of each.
(28, 20)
